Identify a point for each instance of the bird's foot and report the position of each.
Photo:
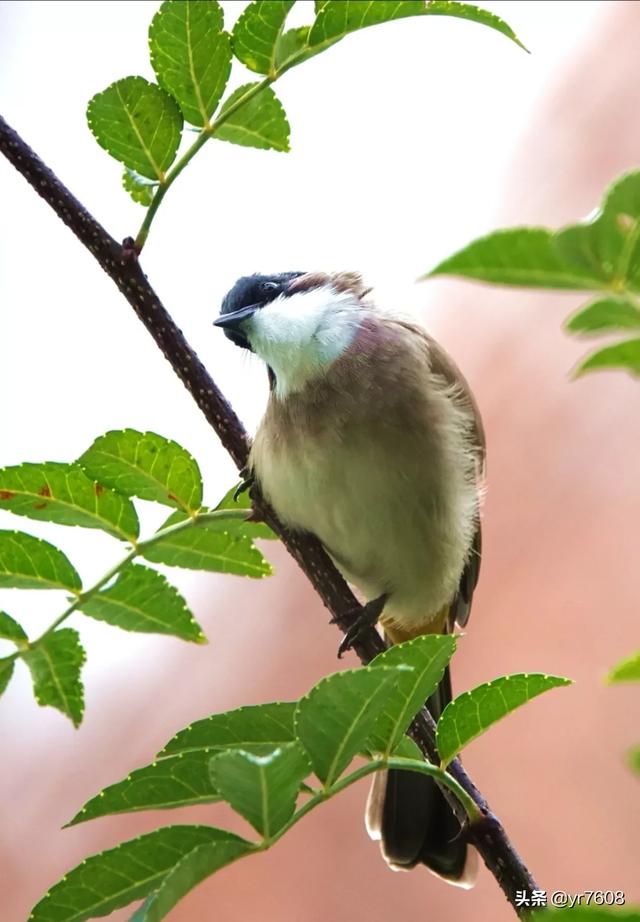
(248, 480)
(367, 618)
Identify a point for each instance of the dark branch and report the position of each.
(121, 265)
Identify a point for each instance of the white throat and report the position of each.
(301, 335)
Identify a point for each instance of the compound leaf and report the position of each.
(31, 563)
(256, 33)
(141, 599)
(471, 713)
(259, 122)
(139, 124)
(146, 465)
(191, 55)
(261, 788)
(64, 494)
(55, 663)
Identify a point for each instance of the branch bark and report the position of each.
(121, 264)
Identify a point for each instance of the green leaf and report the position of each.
(121, 875)
(336, 18)
(31, 563)
(11, 630)
(522, 256)
(627, 670)
(472, 14)
(256, 33)
(604, 315)
(471, 713)
(586, 913)
(64, 494)
(334, 720)
(633, 758)
(146, 465)
(206, 547)
(260, 122)
(251, 529)
(139, 124)
(261, 788)
(428, 656)
(191, 56)
(55, 663)
(293, 48)
(624, 355)
(141, 599)
(194, 867)
(139, 188)
(260, 723)
(176, 781)
(6, 671)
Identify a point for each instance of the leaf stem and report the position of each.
(376, 765)
(136, 551)
(209, 131)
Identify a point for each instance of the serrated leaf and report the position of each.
(337, 18)
(623, 356)
(627, 670)
(472, 14)
(428, 657)
(205, 547)
(471, 713)
(11, 630)
(139, 188)
(293, 48)
(138, 123)
(194, 867)
(146, 465)
(31, 563)
(261, 788)
(604, 315)
(176, 781)
(141, 599)
(334, 720)
(270, 724)
(522, 256)
(6, 671)
(251, 529)
(256, 33)
(63, 493)
(191, 56)
(259, 122)
(121, 875)
(55, 663)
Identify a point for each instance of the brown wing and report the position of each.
(442, 364)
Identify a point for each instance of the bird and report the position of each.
(372, 441)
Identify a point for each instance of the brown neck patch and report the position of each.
(350, 282)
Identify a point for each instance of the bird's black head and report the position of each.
(249, 294)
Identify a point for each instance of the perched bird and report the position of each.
(372, 441)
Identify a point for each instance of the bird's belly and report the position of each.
(390, 526)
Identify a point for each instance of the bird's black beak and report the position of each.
(232, 322)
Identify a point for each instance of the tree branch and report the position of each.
(121, 265)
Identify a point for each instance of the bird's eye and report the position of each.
(269, 286)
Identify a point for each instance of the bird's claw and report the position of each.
(248, 480)
(367, 618)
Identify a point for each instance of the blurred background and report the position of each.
(407, 141)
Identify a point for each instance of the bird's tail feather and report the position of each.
(410, 816)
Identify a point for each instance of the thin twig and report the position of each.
(121, 265)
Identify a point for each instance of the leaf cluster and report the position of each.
(260, 760)
(96, 491)
(142, 124)
(600, 254)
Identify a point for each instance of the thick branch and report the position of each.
(121, 265)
